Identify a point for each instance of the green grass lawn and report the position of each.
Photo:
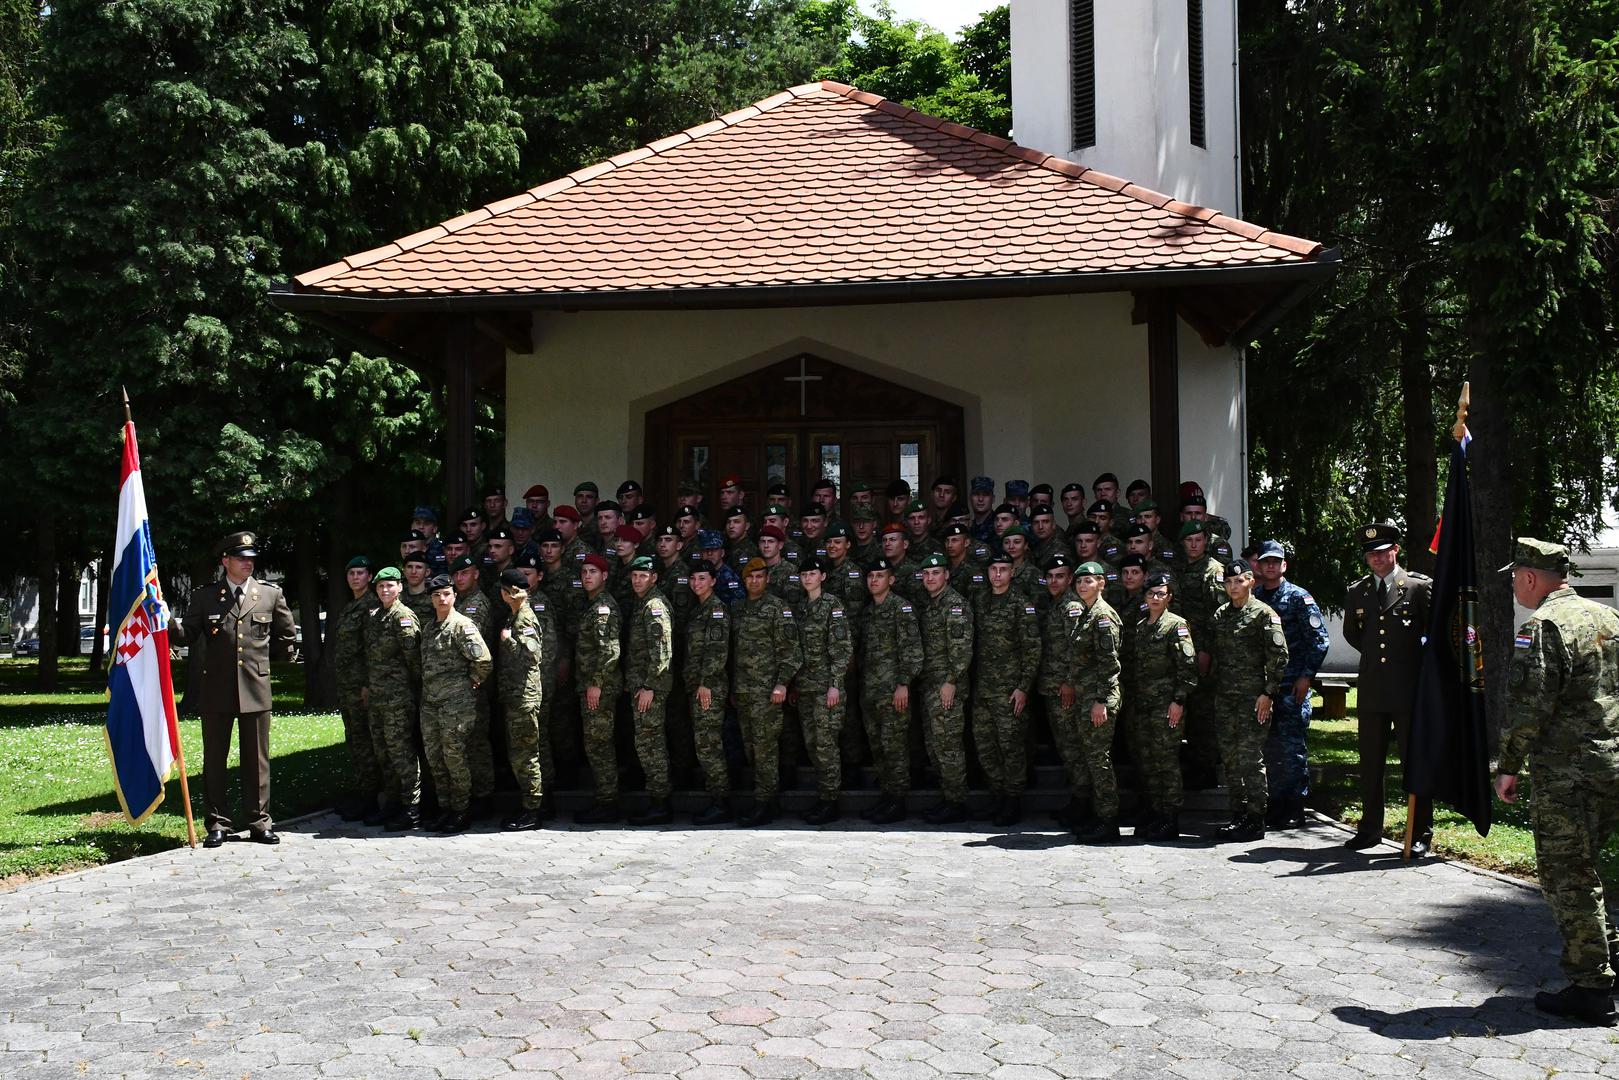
(58, 810)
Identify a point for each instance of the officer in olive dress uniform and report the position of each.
(237, 622)
(1385, 620)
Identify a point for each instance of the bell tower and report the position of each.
(1143, 89)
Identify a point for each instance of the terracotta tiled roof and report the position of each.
(821, 184)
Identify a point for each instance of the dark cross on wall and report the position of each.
(803, 379)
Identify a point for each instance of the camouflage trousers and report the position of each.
(1242, 752)
(681, 739)
(852, 737)
(823, 730)
(599, 748)
(708, 733)
(1001, 740)
(1573, 821)
(652, 743)
(888, 731)
(1095, 743)
(393, 743)
(1156, 747)
(1066, 737)
(1287, 755)
(528, 744)
(760, 721)
(1202, 726)
(357, 736)
(480, 759)
(947, 740)
(447, 729)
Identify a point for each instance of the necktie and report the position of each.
(1382, 593)
(238, 597)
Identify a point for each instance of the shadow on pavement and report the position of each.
(1499, 1015)
(1317, 859)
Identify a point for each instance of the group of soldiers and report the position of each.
(891, 627)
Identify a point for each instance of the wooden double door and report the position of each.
(795, 422)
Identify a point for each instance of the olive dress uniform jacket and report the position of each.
(236, 639)
(1389, 639)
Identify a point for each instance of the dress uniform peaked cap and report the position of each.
(1378, 535)
(243, 544)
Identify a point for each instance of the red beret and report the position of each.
(538, 491)
(731, 481)
(628, 532)
(774, 532)
(893, 527)
(1190, 488)
(566, 512)
(598, 561)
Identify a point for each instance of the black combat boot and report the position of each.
(1010, 812)
(601, 813)
(1100, 831)
(822, 813)
(717, 813)
(521, 821)
(1165, 827)
(453, 823)
(946, 813)
(763, 813)
(657, 812)
(1584, 1003)
(381, 815)
(888, 811)
(404, 819)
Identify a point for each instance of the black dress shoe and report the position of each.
(264, 836)
(1420, 846)
(522, 821)
(1583, 1003)
(215, 838)
(717, 813)
(1362, 841)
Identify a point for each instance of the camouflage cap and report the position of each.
(982, 483)
(709, 540)
(388, 573)
(863, 513)
(935, 561)
(522, 519)
(1017, 489)
(1535, 554)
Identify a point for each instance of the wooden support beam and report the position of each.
(1163, 388)
(459, 389)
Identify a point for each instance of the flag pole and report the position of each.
(1458, 432)
(179, 741)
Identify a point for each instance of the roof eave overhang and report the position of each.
(1292, 280)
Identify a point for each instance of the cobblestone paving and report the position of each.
(894, 954)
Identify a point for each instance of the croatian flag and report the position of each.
(143, 734)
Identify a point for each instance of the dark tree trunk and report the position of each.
(45, 630)
(100, 573)
(340, 497)
(67, 607)
(1421, 454)
(307, 579)
(1494, 500)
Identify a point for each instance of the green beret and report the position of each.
(1091, 568)
(915, 506)
(1146, 504)
(935, 560)
(644, 562)
(1015, 530)
(359, 562)
(1194, 528)
(1538, 555)
(778, 510)
(387, 573)
(588, 485)
(862, 513)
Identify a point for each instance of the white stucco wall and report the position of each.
(1142, 103)
(1053, 388)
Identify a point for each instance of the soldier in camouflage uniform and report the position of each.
(674, 581)
(1199, 590)
(865, 545)
(1161, 671)
(1061, 610)
(455, 662)
(392, 635)
(1026, 575)
(1194, 507)
(649, 676)
(415, 594)
(1044, 541)
(846, 579)
(890, 659)
(781, 576)
(967, 575)
(1008, 649)
(739, 545)
(1563, 701)
(765, 657)
(906, 570)
(1094, 674)
(474, 603)
(828, 645)
(946, 622)
(539, 602)
(598, 649)
(565, 596)
(1250, 654)
(919, 531)
(348, 646)
(521, 675)
(707, 654)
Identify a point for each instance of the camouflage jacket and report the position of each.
(522, 660)
(649, 653)
(783, 581)
(1162, 663)
(597, 646)
(764, 645)
(1008, 644)
(947, 638)
(1199, 590)
(454, 656)
(708, 646)
(348, 642)
(1563, 693)
(1057, 642)
(392, 652)
(1094, 670)
(827, 640)
(550, 640)
(890, 645)
(1248, 647)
